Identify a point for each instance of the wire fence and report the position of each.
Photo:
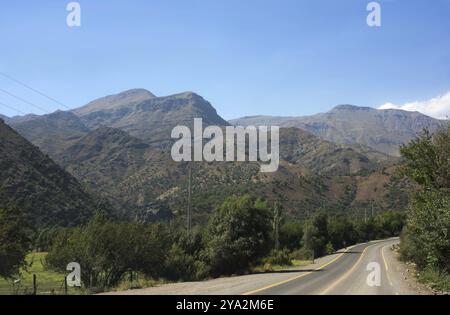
(36, 286)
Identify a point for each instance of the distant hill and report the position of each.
(33, 183)
(381, 130)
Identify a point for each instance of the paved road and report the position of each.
(342, 273)
(348, 273)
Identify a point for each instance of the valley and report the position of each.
(118, 147)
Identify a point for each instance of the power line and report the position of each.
(12, 108)
(24, 100)
(32, 89)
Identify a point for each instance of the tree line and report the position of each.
(240, 235)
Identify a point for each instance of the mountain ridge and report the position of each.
(382, 130)
(36, 185)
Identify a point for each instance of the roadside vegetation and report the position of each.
(426, 237)
(239, 238)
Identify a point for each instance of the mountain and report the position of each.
(3, 117)
(117, 147)
(147, 117)
(145, 181)
(115, 102)
(381, 130)
(52, 133)
(33, 183)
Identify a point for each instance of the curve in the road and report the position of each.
(335, 277)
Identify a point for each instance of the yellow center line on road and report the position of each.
(343, 277)
(297, 277)
(386, 265)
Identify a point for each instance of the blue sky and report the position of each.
(276, 57)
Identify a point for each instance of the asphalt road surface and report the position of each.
(348, 274)
(344, 273)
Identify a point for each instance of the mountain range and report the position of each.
(382, 130)
(118, 148)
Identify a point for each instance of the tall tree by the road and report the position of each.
(426, 240)
(316, 236)
(14, 241)
(238, 234)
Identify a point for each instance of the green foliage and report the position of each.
(278, 257)
(426, 159)
(426, 239)
(107, 250)
(14, 241)
(329, 249)
(316, 234)
(341, 232)
(436, 278)
(44, 237)
(182, 266)
(238, 235)
(291, 234)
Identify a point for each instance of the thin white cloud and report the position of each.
(438, 107)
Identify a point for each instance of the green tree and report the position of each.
(319, 236)
(426, 159)
(14, 241)
(107, 250)
(238, 235)
(426, 239)
(291, 234)
(341, 232)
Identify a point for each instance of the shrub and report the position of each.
(182, 266)
(238, 235)
(14, 241)
(278, 257)
(107, 250)
(329, 249)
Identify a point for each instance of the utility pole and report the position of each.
(189, 219)
(276, 225)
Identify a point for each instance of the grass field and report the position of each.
(48, 282)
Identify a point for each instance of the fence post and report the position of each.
(34, 285)
(65, 285)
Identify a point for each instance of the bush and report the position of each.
(182, 266)
(301, 254)
(107, 250)
(238, 235)
(279, 257)
(329, 249)
(14, 241)
(437, 279)
(427, 240)
(291, 234)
